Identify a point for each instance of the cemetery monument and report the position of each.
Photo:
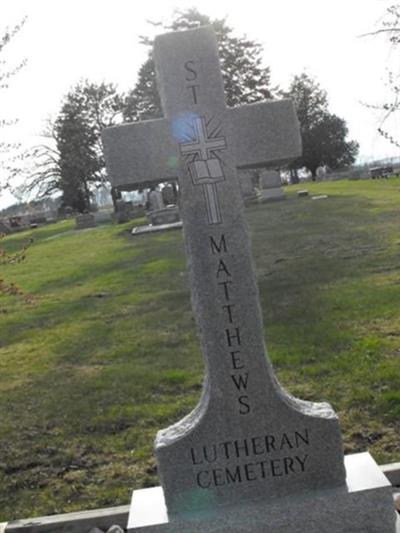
(123, 211)
(84, 221)
(159, 212)
(270, 186)
(250, 457)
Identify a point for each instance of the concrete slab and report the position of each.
(140, 230)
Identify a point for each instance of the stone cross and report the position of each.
(247, 439)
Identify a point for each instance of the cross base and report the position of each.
(363, 504)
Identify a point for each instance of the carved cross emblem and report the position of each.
(201, 153)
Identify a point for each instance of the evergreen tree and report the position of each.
(323, 134)
(79, 163)
(74, 164)
(245, 79)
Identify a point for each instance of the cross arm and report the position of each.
(140, 152)
(268, 134)
(264, 134)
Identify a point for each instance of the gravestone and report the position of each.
(167, 215)
(123, 211)
(4, 228)
(169, 194)
(85, 220)
(270, 186)
(303, 193)
(321, 172)
(155, 200)
(250, 457)
(247, 187)
(159, 214)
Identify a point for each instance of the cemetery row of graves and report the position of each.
(104, 352)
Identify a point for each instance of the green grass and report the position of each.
(107, 354)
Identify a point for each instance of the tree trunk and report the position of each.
(294, 178)
(86, 196)
(313, 173)
(115, 195)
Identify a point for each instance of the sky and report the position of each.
(65, 41)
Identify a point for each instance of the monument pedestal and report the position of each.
(363, 505)
(267, 195)
(167, 215)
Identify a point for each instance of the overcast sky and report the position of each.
(67, 40)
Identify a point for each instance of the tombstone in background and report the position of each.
(168, 215)
(85, 220)
(250, 457)
(123, 211)
(169, 194)
(247, 187)
(158, 214)
(155, 200)
(4, 228)
(303, 193)
(270, 186)
(321, 172)
(38, 219)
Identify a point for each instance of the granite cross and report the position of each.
(247, 439)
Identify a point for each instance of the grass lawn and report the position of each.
(107, 354)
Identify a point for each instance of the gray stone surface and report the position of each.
(270, 186)
(146, 152)
(319, 197)
(247, 187)
(248, 444)
(119, 515)
(124, 211)
(321, 172)
(270, 179)
(247, 439)
(155, 200)
(266, 195)
(362, 505)
(167, 215)
(169, 194)
(4, 228)
(392, 472)
(78, 522)
(396, 498)
(302, 193)
(84, 221)
(140, 230)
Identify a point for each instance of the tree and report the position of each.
(245, 79)
(8, 150)
(73, 162)
(323, 134)
(389, 28)
(8, 155)
(79, 163)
